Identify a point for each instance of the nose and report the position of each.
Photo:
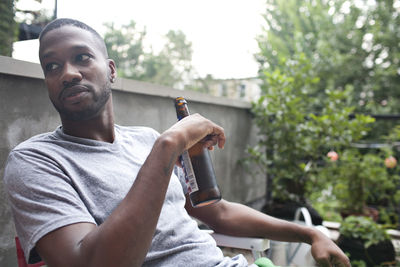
(70, 74)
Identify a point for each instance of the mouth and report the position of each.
(73, 94)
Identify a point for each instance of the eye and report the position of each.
(51, 66)
(82, 57)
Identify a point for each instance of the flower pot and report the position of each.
(287, 210)
(381, 253)
(371, 212)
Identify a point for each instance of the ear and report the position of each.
(113, 70)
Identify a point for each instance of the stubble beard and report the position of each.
(91, 111)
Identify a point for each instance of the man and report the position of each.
(92, 193)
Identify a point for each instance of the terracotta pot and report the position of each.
(371, 212)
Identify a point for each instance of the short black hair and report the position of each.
(58, 23)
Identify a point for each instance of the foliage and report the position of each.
(358, 263)
(297, 127)
(10, 17)
(7, 27)
(323, 62)
(347, 42)
(170, 67)
(125, 47)
(36, 16)
(366, 242)
(201, 84)
(392, 139)
(361, 179)
(364, 228)
(326, 204)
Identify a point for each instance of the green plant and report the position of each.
(297, 127)
(358, 263)
(364, 228)
(361, 179)
(8, 27)
(366, 242)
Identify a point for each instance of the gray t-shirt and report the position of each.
(54, 180)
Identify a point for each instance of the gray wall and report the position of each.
(26, 111)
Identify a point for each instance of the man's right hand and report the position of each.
(194, 129)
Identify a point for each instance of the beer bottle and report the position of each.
(198, 167)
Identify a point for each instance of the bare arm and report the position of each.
(125, 237)
(239, 220)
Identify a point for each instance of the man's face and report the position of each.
(77, 72)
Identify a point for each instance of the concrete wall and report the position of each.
(26, 111)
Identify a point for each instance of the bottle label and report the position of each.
(190, 178)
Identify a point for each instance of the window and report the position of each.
(223, 91)
(242, 90)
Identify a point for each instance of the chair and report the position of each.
(21, 256)
(296, 254)
(256, 245)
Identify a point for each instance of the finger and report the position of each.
(178, 162)
(324, 260)
(336, 261)
(212, 140)
(218, 134)
(221, 141)
(324, 263)
(345, 262)
(209, 144)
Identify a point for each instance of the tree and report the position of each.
(348, 42)
(294, 139)
(125, 47)
(32, 21)
(29, 22)
(171, 66)
(7, 27)
(352, 48)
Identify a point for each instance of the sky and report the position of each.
(222, 32)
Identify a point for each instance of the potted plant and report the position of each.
(366, 241)
(362, 183)
(296, 125)
(365, 186)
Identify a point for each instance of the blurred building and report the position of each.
(247, 89)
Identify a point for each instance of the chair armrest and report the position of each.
(249, 243)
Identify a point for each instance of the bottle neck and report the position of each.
(182, 111)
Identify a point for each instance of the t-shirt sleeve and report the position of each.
(42, 198)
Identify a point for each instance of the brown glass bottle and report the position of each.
(198, 167)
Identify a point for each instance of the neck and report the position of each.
(100, 127)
